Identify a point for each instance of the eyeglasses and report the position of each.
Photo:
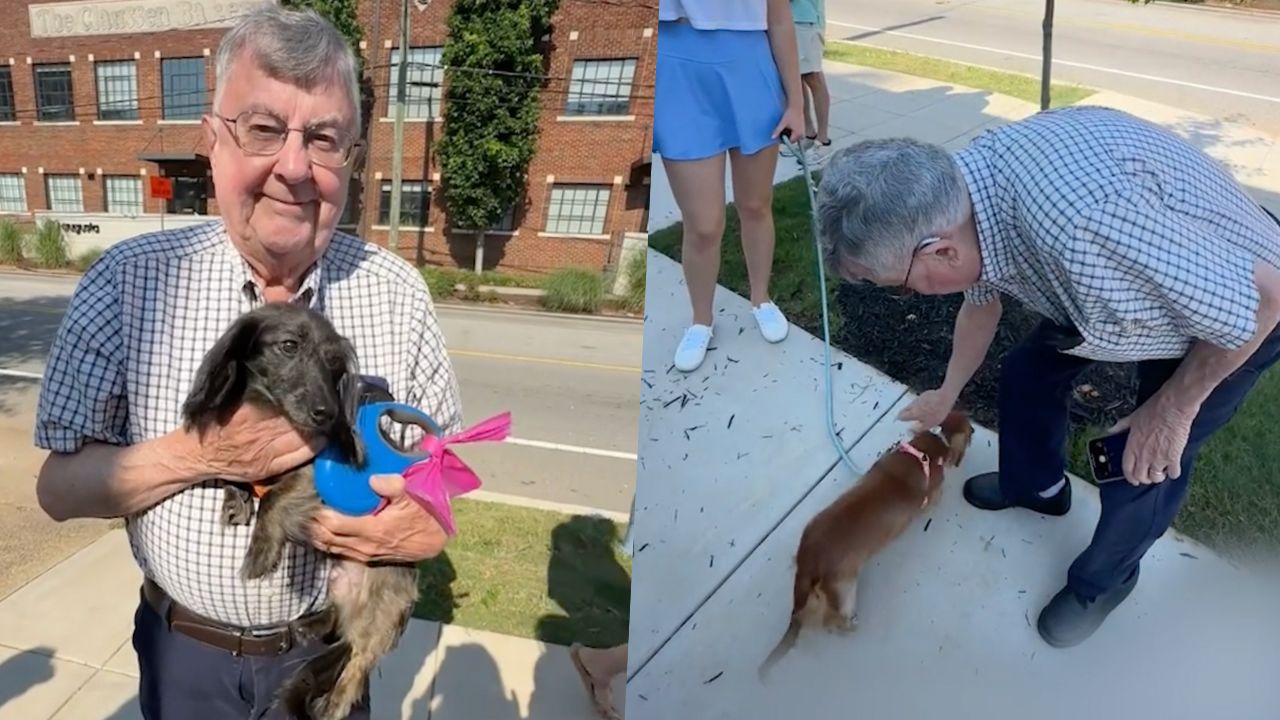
(903, 290)
(262, 134)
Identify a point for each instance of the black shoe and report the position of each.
(1069, 619)
(983, 492)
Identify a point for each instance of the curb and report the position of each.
(1219, 8)
(535, 504)
(481, 307)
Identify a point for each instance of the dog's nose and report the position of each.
(321, 414)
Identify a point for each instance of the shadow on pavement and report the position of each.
(586, 579)
(24, 671)
(27, 328)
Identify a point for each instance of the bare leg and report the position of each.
(698, 187)
(605, 663)
(817, 84)
(753, 197)
(809, 130)
(598, 667)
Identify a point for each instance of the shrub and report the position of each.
(51, 246)
(636, 268)
(11, 243)
(86, 259)
(440, 282)
(574, 290)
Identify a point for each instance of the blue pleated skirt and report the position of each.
(715, 90)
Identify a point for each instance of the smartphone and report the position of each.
(1106, 457)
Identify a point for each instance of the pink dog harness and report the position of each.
(915, 452)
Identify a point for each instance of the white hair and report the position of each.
(879, 198)
(295, 46)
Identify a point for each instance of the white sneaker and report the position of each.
(773, 325)
(693, 348)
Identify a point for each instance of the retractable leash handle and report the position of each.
(346, 488)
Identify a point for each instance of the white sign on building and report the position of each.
(116, 17)
(99, 231)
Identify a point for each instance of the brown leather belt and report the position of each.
(237, 641)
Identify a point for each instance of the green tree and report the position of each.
(494, 72)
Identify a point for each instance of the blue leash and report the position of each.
(822, 281)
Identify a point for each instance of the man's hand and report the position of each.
(930, 409)
(252, 446)
(402, 532)
(1158, 432)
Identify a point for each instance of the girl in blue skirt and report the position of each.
(728, 82)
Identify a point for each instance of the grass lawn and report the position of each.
(1235, 495)
(530, 573)
(1023, 87)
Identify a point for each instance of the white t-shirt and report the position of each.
(717, 14)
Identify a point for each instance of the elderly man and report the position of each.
(281, 133)
(1134, 246)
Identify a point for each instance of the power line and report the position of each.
(544, 94)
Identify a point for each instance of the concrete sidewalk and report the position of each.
(65, 654)
(735, 459)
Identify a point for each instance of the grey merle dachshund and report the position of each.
(289, 359)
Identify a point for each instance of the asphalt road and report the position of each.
(571, 384)
(1221, 63)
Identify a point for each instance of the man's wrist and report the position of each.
(181, 454)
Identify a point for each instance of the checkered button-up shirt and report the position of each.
(1101, 220)
(126, 356)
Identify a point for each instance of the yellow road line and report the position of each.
(1139, 30)
(546, 361)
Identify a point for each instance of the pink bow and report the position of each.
(443, 475)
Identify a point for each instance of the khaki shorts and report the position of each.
(809, 43)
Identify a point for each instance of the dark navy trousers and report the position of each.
(184, 679)
(1035, 388)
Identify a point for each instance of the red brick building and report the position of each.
(97, 96)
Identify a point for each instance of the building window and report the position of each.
(415, 203)
(600, 87)
(422, 83)
(8, 110)
(64, 193)
(578, 209)
(184, 88)
(13, 193)
(507, 223)
(54, 100)
(124, 194)
(117, 90)
(190, 195)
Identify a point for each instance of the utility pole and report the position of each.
(397, 157)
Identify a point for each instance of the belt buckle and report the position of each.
(284, 645)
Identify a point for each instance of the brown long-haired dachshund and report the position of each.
(838, 541)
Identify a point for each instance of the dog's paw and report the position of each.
(849, 626)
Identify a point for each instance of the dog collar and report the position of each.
(915, 452)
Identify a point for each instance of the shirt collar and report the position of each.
(994, 238)
(308, 293)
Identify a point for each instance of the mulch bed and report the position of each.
(909, 339)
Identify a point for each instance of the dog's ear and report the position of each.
(959, 433)
(222, 378)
